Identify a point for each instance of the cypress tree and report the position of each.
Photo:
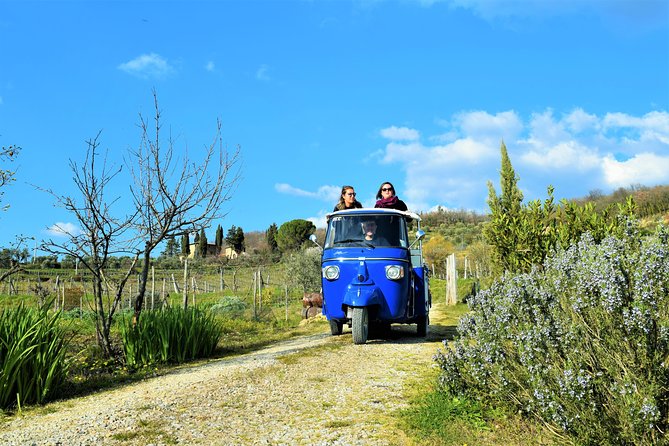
(185, 245)
(270, 236)
(202, 243)
(504, 230)
(219, 237)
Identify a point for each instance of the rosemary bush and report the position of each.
(582, 344)
(32, 356)
(170, 335)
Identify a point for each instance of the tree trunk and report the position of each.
(144, 276)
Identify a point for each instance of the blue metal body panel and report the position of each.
(362, 282)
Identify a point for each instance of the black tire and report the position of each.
(421, 326)
(336, 327)
(360, 325)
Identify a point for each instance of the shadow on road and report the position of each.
(406, 334)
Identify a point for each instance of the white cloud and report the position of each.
(210, 66)
(575, 152)
(262, 73)
(481, 124)
(400, 134)
(319, 221)
(629, 13)
(546, 130)
(147, 66)
(61, 229)
(325, 193)
(579, 121)
(568, 154)
(653, 126)
(644, 168)
(404, 153)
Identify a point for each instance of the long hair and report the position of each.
(342, 205)
(378, 194)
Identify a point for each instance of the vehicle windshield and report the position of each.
(366, 231)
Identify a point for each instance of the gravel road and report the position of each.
(314, 390)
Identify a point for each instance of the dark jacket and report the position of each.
(356, 205)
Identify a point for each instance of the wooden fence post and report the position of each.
(185, 290)
(153, 285)
(255, 310)
(451, 281)
(164, 295)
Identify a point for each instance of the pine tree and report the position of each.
(235, 239)
(171, 247)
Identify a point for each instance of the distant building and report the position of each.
(230, 253)
(212, 250)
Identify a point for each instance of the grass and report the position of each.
(148, 432)
(241, 333)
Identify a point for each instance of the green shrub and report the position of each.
(229, 306)
(582, 344)
(467, 288)
(170, 335)
(32, 356)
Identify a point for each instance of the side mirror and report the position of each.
(313, 238)
(420, 235)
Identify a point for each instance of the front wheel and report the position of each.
(336, 327)
(360, 325)
(421, 325)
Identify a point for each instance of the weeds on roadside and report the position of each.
(170, 335)
(32, 355)
(582, 344)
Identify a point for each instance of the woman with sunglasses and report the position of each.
(347, 200)
(386, 198)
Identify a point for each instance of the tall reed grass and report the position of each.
(32, 356)
(170, 335)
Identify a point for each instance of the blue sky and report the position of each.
(323, 93)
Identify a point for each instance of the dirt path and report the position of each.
(316, 390)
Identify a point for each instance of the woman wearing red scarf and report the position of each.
(386, 198)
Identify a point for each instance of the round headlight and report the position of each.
(331, 272)
(394, 272)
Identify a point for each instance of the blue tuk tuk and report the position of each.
(372, 274)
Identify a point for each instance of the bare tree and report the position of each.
(7, 154)
(100, 236)
(174, 195)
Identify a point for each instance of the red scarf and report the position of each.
(387, 202)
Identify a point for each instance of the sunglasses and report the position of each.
(386, 189)
(351, 194)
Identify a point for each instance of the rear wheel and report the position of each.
(360, 325)
(421, 325)
(336, 327)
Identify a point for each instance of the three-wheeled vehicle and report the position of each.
(373, 275)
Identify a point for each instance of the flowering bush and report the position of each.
(582, 343)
